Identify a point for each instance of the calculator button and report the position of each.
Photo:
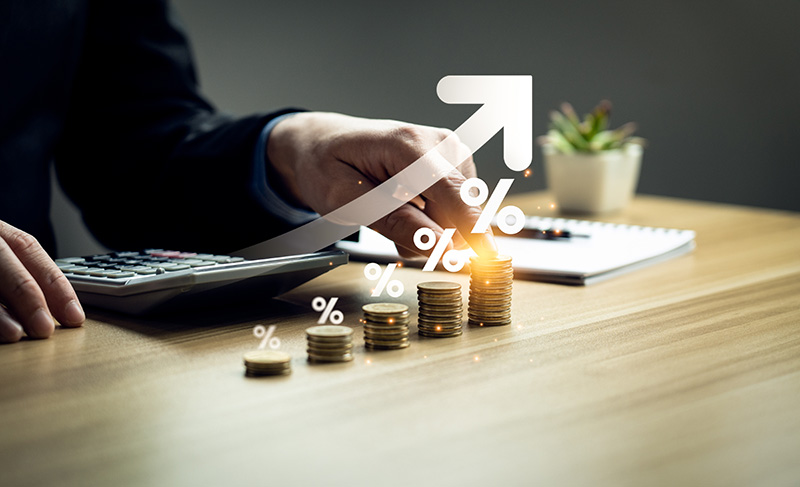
(119, 274)
(101, 257)
(144, 270)
(236, 259)
(165, 253)
(70, 260)
(196, 262)
(175, 267)
(73, 268)
(186, 255)
(83, 271)
(124, 255)
(96, 272)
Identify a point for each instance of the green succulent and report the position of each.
(568, 134)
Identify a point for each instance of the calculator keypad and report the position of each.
(119, 265)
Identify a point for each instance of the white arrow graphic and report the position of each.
(507, 104)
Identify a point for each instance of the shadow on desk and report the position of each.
(205, 318)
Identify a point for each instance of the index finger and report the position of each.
(446, 193)
(61, 299)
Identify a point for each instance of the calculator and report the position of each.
(155, 280)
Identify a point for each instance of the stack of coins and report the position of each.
(330, 343)
(440, 309)
(490, 291)
(267, 362)
(385, 326)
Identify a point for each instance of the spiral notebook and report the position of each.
(605, 250)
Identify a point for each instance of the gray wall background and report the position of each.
(713, 86)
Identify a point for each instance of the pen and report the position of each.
(543, 233)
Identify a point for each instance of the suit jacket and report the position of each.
(107, 91)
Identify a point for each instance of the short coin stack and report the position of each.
(490, 291)
(267, 362)
(330, 343)
(385, 326)
(440, 309)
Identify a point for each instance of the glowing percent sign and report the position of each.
(319, 304)
(452, 260)
(492, 206)
(394, 288)
(266, 337)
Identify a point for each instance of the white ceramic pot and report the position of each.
(593, 183)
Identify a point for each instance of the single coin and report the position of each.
(441, 312)
(439, 286)
(266, 357)
(389, 322)
(385, 330)
(439, 334)
(489, 290)
(314, 358)
(329, 331)
(387, 347)
(384, 308)
(500, 259)
(261, 373)
(439, 329)
(386, 336)
(329, 346)
(374, 341)
(440, 321)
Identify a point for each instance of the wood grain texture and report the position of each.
(685, 373)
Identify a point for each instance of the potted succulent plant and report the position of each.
(590, 168)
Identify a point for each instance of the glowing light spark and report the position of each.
(552, 205)
(527, 172)
(359, 182)
(477, 358)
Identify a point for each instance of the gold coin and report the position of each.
(384, 308)
(340, 349)
(391, 322)
(440, 335)
(373, 341)
(438, 286)
(262, 373)
(329, 331)
(439, 327)
(387, 347)
(315, 358)
(266, 357)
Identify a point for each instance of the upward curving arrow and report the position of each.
(507, 104)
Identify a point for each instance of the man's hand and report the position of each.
(326, 160)
(31, 287)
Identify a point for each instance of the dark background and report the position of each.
(713, 86)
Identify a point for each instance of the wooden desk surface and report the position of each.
(683, 373)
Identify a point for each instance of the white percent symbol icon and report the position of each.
(319, 304)
(492, 206)
(394, 288)
(452, 260)
(266, 337)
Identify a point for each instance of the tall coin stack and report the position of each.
(330, 343)
(440, 309)
(385, 326)
(490, 291)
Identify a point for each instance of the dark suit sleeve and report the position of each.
(146, 158)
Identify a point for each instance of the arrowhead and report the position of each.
(510, 101)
